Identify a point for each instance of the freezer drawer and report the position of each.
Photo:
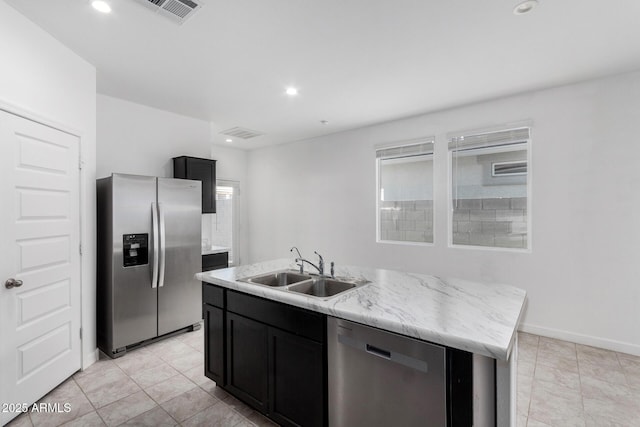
(377, 378)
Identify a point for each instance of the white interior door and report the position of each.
(40, 267)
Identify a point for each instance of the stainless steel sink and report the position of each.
(323, 287)
(277, 278)
(306, 284)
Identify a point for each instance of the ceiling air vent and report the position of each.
(176, 10)
(242, 133)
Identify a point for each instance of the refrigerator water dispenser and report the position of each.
(135, 249)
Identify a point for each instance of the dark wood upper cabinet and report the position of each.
(202, 170)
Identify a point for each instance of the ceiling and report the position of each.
(355, 62)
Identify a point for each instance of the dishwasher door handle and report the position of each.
(378, 352)
(391, 356)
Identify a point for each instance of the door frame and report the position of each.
(33, 116)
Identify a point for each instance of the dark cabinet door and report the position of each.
(215, 261)
(205, 171)
(214, 343)
(296, 380)
(202, 170)
(247, 360)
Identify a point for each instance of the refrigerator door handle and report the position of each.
(162, 246)
(156, 244)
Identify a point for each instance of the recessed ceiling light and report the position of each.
(101, 6)
(292, 91)
(228, 140)
(525, 7)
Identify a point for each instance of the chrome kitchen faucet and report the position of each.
(319, 267)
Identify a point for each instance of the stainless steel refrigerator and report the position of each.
(149, 234)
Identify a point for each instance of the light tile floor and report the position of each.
(565, 384)
(159, 385)
(559, 384)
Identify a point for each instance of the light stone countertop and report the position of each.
(210, 250)
(475, 317)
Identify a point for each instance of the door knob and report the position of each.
(12, 283)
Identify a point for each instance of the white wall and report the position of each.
(582, 276)
(43, 80)
(141, 140)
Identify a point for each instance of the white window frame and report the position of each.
(450, 196)
(236, 219)
(399, 144)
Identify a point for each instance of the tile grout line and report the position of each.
(88, 400)
(193, 415)
(624, 371)
(196, 386)
(533, 376)
(584, 413)
(153, 400)
(96, 409)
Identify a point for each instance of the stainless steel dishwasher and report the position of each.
(378, 378)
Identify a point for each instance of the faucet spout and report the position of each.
(297, 250)
(299, 259)
(320, 263)
(302, 261)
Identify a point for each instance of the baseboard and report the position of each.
(619, 346)
(90, 358)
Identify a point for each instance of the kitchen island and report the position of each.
(477, 318)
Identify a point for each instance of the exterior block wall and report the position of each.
(407, 221)
(494, 222)
(490, 222)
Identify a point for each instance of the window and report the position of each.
(226, 225)
(405, 192)
(489, 191)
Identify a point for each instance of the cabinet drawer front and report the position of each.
(212, 295)
(293, 319)
(215, 261)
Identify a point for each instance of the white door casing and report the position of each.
(40, 343)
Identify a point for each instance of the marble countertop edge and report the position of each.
(488, 315)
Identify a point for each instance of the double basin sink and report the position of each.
(306, 284)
